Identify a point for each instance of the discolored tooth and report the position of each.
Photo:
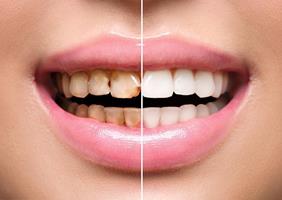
(220, 103)
(184, 83)
(202, 111)
(114, 115)
(225, 83)
(204, 84)
(187, 112)
(218, 82)
(158, 84)
(66, 85)
(97, 112)
(72, 108)
(151, 117)
(169, 115)
(132, 117)
(212, 107)
(99, 83)
(125, 84)
(79, 84)
(82, 111)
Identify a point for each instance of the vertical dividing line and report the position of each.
(142, 113)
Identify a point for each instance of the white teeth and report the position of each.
(202, 111)
(125, 84)
(225, 83)
(184, 83)
(151, 117)
(218, 81)
(204, 84)
(158, 84)
(82, 111)
(169, 115)
(187, 112)
(99, 83)
(66, 85)
(97, 112)
(79, 84)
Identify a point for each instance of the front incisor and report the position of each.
(132, 117)
(125, 84)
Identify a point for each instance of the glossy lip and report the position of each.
(120, 147)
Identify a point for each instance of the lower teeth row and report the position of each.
(153, 116)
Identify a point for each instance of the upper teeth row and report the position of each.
(156, 84)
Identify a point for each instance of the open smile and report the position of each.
(190, 95)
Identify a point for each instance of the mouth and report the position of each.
(190, 95)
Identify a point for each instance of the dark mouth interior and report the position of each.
(109, 101)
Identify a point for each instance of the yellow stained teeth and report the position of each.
(132, 117)
(66, 85)
(125, 84)
(99, 83)
(79, 84)
(82, 111)
(97, 112)
(114, 115)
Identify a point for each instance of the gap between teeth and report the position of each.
(156, 84)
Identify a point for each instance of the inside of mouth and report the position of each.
(169, 96)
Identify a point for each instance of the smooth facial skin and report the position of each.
(34, 164)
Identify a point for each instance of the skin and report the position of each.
(35, 165)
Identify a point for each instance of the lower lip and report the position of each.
(163, 148)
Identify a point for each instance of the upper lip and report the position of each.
(165, 147)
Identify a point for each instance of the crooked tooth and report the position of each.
(225, 83)
(184, 83)
(66, 85)
(114, 115)
(212, 107)
(169, 115)
(82, 111)
(99, 83)
(151, 117)
(158, 84)
(204, 84)
(187, 112)
(218, 82)
(79, 84)
(202, 111)
(125, 84)
(132, 117)
(97, 112)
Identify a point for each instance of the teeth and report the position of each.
(97, 112)
(225, 83)
(79, 84)
(132, 117)
(169, 115)
(82, 111)
(151, 117)
(204, 84)
(66, 85)
(202, 111)
(187, 112)
(99, 83)
(184, 83)
(212, 107)
(158, 84)
(71, 108)
(125, 84)
(114, 115)
(218, 82)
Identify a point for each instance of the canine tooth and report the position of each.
(99, 83)
(72, 108)
(225, 83)
(66, 85)
(125, 84)
(202, 111)
(79, 84)
(132, 117)
(184, 83)
(169, 115)
(151, 117)
(158, 84)
(218, 82)
(204, 84)
(212, 107)
(187, 112)
(82, 111)
(114, 115)
(97, 112)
